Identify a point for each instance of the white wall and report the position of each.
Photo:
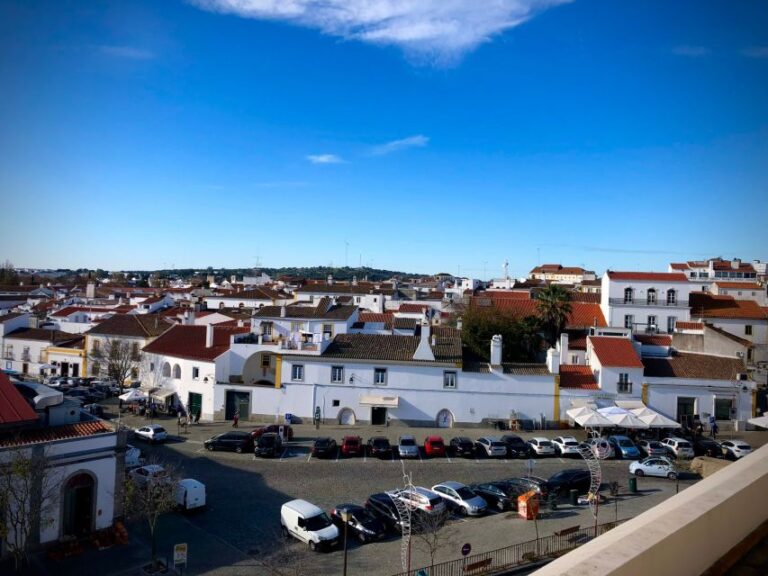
(663, 394)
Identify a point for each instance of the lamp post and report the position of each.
(345, 519)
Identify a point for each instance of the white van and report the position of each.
(308, 523)
(190, 494)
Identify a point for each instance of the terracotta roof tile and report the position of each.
(654, 339)
(253, 294)
(648, 276)
(375, 317)
(56, 337)
(615, 352)
(53, 433)
(189, 342)
(322, 311)
(393, 348)
(740, 285)
(525, 369)
(689, 326)
(583, 314)
(699, 366)
(132, 325)
(408, 308)
(577, 376)
(69, 310)
(14, 409)
(718, 306)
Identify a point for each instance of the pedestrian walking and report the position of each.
(713, 431)
(235, 418)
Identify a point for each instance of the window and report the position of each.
(151, 366)
(380, 376)
(195, 373)
(652, 322)
(629, 320)
(750, 355)
(357, 299)
(574, 359)
(625, 386)
(748, 329)
(627, 295)
(166, 370)
(297, 372)
(9, 351)
(176, 371)
(337, 374)
(135, 350)
(336, 403)
(296, 326)
(671, 297)
(328, 330)
(651, 296)
(96, 346)
(671, 322)
(265, 361)
(449, 379)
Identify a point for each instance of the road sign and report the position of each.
(466, 549)
(180, 555)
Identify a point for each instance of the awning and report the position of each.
(132, 395)
(761, 421)
(379, 401)
(163, 393)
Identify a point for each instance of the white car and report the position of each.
(566, 445)
(151, 433)
(542, 446)
(148, 473)
(735, 449)
(492, 447)
(422, 499)
(461, 498)
(654, 466)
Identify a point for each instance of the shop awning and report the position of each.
(379, 401)
(761, 421)
(163, 394)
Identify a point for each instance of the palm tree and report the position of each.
(554, 307)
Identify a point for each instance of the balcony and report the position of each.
(624, 387)
(9, 356)
(645, 303)
(26, 357)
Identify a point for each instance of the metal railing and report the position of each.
(645, 302)
(500, 559)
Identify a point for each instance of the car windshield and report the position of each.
(322, 443)
(625, 443)
(436, 443)
(351, 441)
(743, 447)
(463, 441)
(407, 442)
(571, 443)
(318, 522)
(498, 444)
(465, 493)
(364, 517)
(545, 443)
(381, 442)
(159, 429)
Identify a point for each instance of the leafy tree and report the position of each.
(553, 304)
(520, 335)
(8, 273)
(121, 358)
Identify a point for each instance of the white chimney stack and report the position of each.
(564, 348)
(209, 335)
(282, 311)
(553, 361)
(424, 351)
(496, 343)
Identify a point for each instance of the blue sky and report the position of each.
(420, 135)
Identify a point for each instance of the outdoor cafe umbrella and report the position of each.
(133, 395)
(654, 419)
(588, 418)
(622, 418)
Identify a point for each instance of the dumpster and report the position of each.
(633, 485)
(574, 496)
(528, 505)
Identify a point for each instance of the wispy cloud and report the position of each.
(440, 30)
(325, 159)
(755, 52)
(691, 51)
(418, 141)
(128, 52)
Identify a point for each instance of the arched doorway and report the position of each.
(347, 417)
(445, 419)
(78, 504)
(260, 368)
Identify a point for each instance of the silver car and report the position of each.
(492, 447)
(407, 447)
(460, 497)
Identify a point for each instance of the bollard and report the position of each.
(633, 485)
(574, 495)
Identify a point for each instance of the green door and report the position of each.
(238, 401)
(195, 403)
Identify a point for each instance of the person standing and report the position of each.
(714, 431)
(235, 418)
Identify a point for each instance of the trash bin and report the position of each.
(633, 485)
(574, 497)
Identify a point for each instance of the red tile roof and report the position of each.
(577, 376)
(699, 366)
(719, 306)
(654, 339)
(689, 326)
(583, 314)
(511, 294)
(189, 342)
(375, 317)
(13, 407)
(679, 266)
(615, 352)
(413, 308)
(648, 276)
(69, 310)
(51, 434)
(577, 340)
(726, 265)
(740, 285)
(590, 297)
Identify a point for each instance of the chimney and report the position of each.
(564, 348)
(330, 280)
(354, 280)
(735, 263)
(209, 335)
(283, 311)
(240, 323)
(496, 342)
(553, 361)
(191, 318)
(424, 351)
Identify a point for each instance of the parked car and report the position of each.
(151, 433)
(623, 447)
(461, 498)
(704, 446)
(654, 466)
(407, 447)
(273, 429)
(516, 446)
(422, 499)
(324, 448)
(190, 494)
(531, 483)
(434, 447)
(352, 446)
(678, 447)
(566, 446)
(382, 506)
(462, 446)
(735, 449)
(94, 409)
(133, 457)
(601, 448)
(379, 447)
(542, 446)
(149, 473)
(491, 446)
(308, 523)
(82, 395)
(269, 445)
(652, 448)
(361, 523)
(499, 495)
(561, 483)
(236, 440)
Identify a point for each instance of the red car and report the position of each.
(287, 431)
(352, 446)
(434, 446)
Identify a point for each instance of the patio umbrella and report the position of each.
(761, 421)
(132, 395)
(626, 420)
(654, 419)
(592, 420)
(574, 413)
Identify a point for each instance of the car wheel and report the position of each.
(672, 476)
(462, 511)
(209, 447)
(500, 506)
(239, 449)
(639, 472)
(284, 531)
(362, 537)
(312, 546)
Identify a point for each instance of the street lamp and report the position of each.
(345, 518)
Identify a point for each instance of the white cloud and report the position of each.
(435, 29)
(325, 159)
(756, 52)
(129, 52)
(691, 51)
(418, 141)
